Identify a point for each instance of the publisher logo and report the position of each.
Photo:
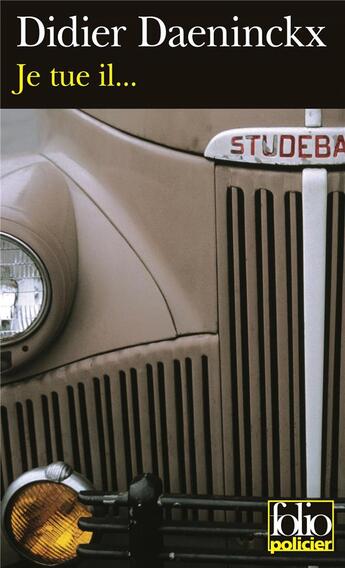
(301, 526)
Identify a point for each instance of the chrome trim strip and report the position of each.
(314, 202)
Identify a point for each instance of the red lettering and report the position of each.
(236, 142)
(302, 146)
(253, 139)
(269, 151)
(340, 146)
(322, 143)
(284, 153)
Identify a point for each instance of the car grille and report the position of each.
(151, 408)
(207, 415)
(262, 334)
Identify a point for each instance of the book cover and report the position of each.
(172, 283)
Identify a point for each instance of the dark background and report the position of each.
(182, 77)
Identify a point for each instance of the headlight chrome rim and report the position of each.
(47, 292)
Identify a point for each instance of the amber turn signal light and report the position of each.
(41, 516)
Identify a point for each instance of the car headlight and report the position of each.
(39, 262)
(24, 290)
(41, 513)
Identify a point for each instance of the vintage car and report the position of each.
(172, 302)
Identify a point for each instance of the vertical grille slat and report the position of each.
(209, 489)
(134, 422)
(191, 411)
(50, 413)
(341, 450)
(294, 232)
(113, 484)
(333, 482)
(178, 408)
(124, 417)
(84, 435)
(329, 357)
(138, 427)
(39, 428)
(144, 419)
(239, 341)
(46, 429)
(123, 472)
(153, 425)
(105, 427)
(158, 409)
(184, 409)
(267, 345)
(235, 446)
(339, 204)
(91, 437)
(264, 338)
(21, 430)
(6, 449)
(66, 447)
(284, 402)
(32, 433)
(162, 413)
(24, 432)
(76, 463)
(172, 444)
(100, 448)
(202, 476)
(57, 425)
(12, 440)
(251, 351)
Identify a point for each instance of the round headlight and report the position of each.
(24, 290)
(41, 516)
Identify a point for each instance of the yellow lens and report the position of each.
(44, 522)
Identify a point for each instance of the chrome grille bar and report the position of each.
(314, 199)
